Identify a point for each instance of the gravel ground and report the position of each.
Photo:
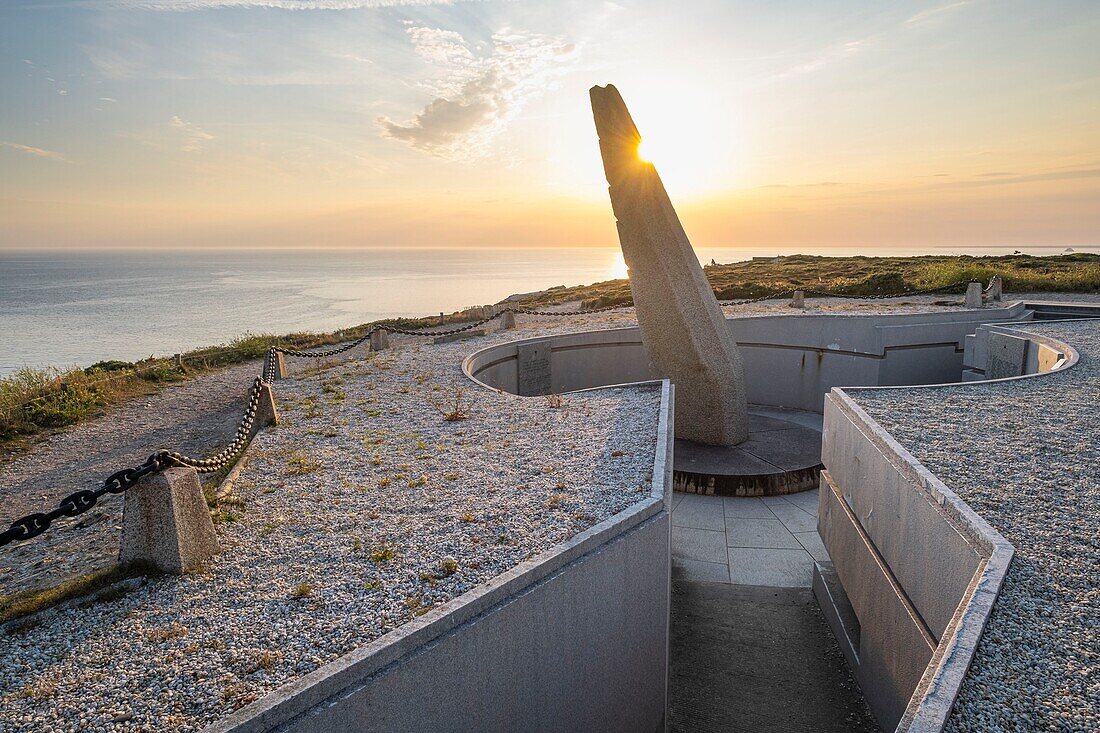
(364, 502)
(363, 509)
(1025, 455)
(198, 417)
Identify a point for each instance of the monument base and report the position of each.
(779, 457)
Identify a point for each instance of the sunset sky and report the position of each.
(340, 123)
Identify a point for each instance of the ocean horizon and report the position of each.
(65, 308)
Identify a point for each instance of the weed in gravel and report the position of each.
(161, 634)
(382, 555)
(300, 466)
(302, 590)
(455, 407)
(555, 500)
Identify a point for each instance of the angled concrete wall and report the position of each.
(574, 640)
(914, 571)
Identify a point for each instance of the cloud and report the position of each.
(933, 13)
(182, 6)
(107, 99)
(37, 152)
(476, 95)
(193, 135)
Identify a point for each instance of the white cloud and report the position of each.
(193, 135)
(476, 94)
(194, 5)
(107, 99)
(933, 13)
(37, 152)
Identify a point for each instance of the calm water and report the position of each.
(76, 308)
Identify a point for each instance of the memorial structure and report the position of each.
(683, 329)
(720, 447)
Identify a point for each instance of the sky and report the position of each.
(375, 123)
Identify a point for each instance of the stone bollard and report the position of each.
(442, 319)
(798, 300)
(280, 364)
(380, 340)
(974, 294)
(995, 292)
(507, 321)
(266, 414)
(179, 361)
(166, 523)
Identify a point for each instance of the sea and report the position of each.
(73, 308)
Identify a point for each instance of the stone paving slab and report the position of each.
(769, 540)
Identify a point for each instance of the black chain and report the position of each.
(81, 501)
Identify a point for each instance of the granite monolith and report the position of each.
(683, 329)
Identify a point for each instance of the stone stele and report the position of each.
(683, 329)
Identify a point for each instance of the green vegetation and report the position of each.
(28, 602)
(1069, 273)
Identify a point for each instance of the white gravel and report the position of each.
(475, 496)
(1025, 455)
(363, 508)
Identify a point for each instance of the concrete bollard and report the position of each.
(266, 414)
(995, 292)
(798, 300)
(166, 523)
(380, 340)
(179, 361)
(507, 321)
(974, 294)
(280, 364)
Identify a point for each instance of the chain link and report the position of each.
(77, 503)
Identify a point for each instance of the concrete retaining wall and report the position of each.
(790, 361)
(575, 639)
(914, 570)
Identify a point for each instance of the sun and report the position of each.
(644, 153)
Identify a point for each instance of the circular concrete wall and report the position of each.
(791, 361)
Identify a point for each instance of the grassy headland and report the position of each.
(35, 401)
(1070, 273)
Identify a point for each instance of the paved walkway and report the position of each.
(770, 541)
(747, 659)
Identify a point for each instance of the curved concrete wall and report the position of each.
(790, 361)
(575, 639)
(914, 570)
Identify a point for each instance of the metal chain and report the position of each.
(81, 501)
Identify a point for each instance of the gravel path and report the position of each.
(196, 417)
(1025, 455)
(363, 509)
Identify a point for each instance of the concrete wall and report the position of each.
(574, 640)
(1001, 351)
(914, 571)
(790, 360)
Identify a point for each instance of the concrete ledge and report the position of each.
(574, 639)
